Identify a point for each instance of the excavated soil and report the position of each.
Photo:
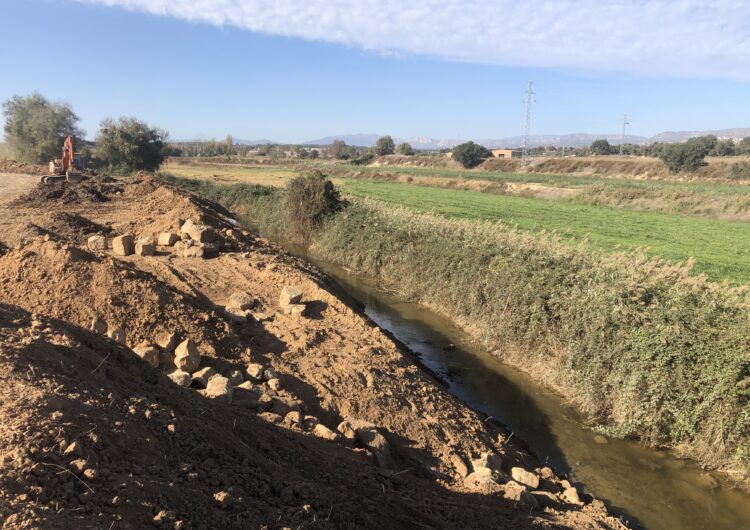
(91, 436)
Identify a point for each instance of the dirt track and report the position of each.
(146, 451)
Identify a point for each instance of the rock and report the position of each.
(167, 239)
(73, 449)
(167, 341)
(145, 246)
(186, 356)
(211, 249)
(163, 517)
(243, 300)
(235, 377)
(255, 371)
(148, 353)
(270, 373)
(282, 406)
(78, 466)
(180, 378)
(274, 384)
(224, 499)
(97, 242)
(294, 418)
(203, 376)
(376, 443)
(117, 334)
(482, 484)
(219, 387)
(347, 430)
(98, 325)
(321, 431)
(488, 460)
(570, 495)
(309, 422)
(293, 309)
(459, 465)
(235, 315)
(289, 295)
(547, 473)
(546, 499)
(514, 491)
(193, 252)
(601, 440)
(123, 245)
(197, 232)
(524, 477)
(246, 395)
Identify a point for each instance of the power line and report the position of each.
(529, 97)
(625, 123)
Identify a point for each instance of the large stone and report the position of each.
(481, 484)
(98, 325)
(198, 232)
(377, 445)
(167, 239)
(180, 378)
(97, 242)
(123, 245)
(488, 460)
(524, 477)
(255, 371)
(245, 394)
(546, 499)
(186, 356)
(167, 341)
(293, 309)
(235, 377)
(145, 246)
(321, 431)
(274, 384)
(203, 376)
(193, 252)
(235, 315)
(117, 334)
(242, 300)
(220, 388)
(289, 295)
(148, 352)
(570, 495)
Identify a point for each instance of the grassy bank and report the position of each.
(645, 349)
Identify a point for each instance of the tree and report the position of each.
(130, 145)
(688, 156)
(743, 148)
(601, 147)
(724, 148)
(35, 128)
(339, 150)
(384, 146)
(404, 149)
(229, 145)
(470, 154)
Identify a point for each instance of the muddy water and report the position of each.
(649, 489)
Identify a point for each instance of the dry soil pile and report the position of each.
(238, 391)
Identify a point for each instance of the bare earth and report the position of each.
(91, 436)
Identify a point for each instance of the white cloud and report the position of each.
(683, 38)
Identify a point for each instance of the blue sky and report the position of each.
(293, 71)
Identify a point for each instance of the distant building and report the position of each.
(505, 153)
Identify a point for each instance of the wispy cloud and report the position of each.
(683, 38)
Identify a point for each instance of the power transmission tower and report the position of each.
(529, 97)
(625, 123)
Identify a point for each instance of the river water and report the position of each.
(648, 488)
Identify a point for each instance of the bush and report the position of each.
(404, 149)
(35, 128)
(740, 171)
(130, 145)
(688, 156)
(384, 146)
(308, 200)
(470, 154)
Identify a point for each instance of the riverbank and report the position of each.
(643, 348)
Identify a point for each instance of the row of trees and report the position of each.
(35, 129)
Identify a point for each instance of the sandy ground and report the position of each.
(353, 433)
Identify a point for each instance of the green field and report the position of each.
(720, 248)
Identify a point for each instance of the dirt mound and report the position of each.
(91, 436)
(94, 190)
(11, 166)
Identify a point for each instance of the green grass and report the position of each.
(719, 248)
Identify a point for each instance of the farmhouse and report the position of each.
(505, 153)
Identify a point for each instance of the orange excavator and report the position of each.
(69, 167)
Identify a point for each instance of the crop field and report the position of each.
(264, 175)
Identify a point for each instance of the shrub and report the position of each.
(308, 200)
(740, 171)
(130, 145)
(470, 154)
(35, 128)
(688, 156)
(404, 149)
(384, 146)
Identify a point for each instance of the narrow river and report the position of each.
(650, 489)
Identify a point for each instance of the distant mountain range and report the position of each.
(567, 140)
